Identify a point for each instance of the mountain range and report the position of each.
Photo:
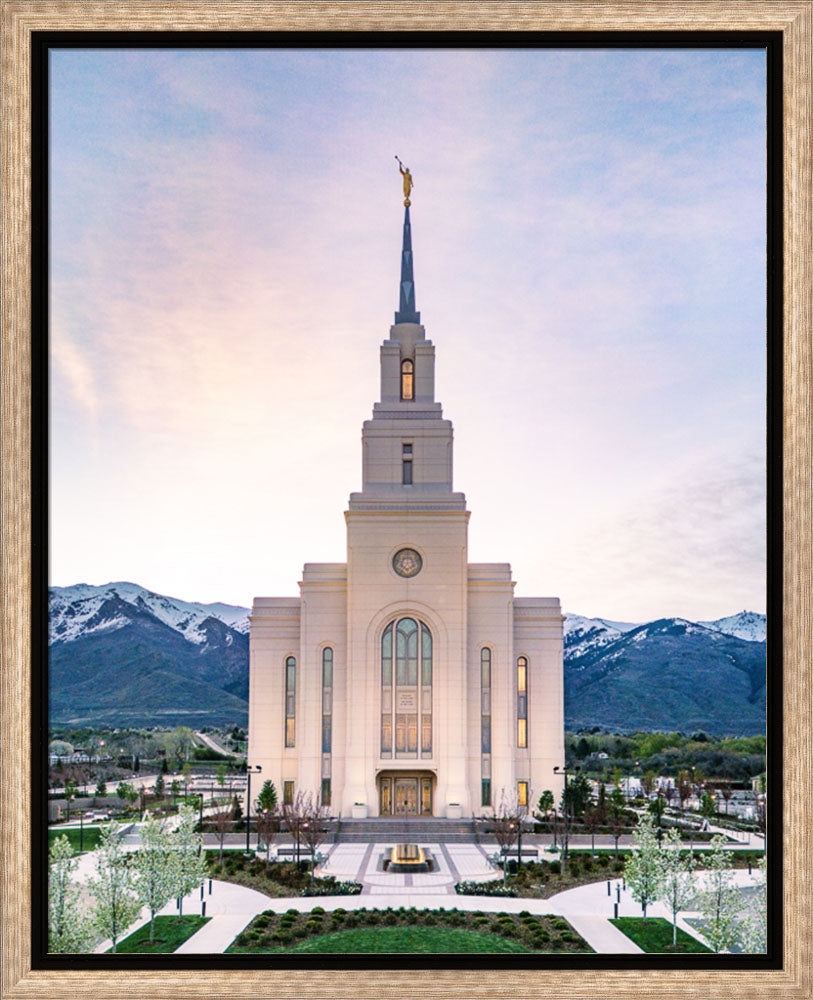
(122, 655)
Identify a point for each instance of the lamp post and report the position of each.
(565, 771)
(256, 769)
(81, 830)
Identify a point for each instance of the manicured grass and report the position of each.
(406, 930)
(170, 933)
(90, 837)
(418, 940)
(655, 935)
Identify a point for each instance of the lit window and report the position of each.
(327, 698)
(485, 721)
(290, 702)
(522, 793)
(287, 793)
(325, 791)
(406, 689)
(407, 375)
(522, 701)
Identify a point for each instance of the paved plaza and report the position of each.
(588, 908)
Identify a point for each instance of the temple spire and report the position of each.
(406, 307)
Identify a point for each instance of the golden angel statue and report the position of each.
(408, 182)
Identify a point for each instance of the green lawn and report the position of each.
(90, 837)
(655, 935)
(170, 933)
(419, 940)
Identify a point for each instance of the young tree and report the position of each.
(266, 824)
(267, 799)
(726, 793)
(648, 783)
(101, 790)
(136, 764)
(115, 904)
(175, 789)
(153, 869)
(236, 810)
(593, 821)
(677, 890)
(222, 823)
(720, 900)
(186, 774)
(707, 807)
(68, 930)
(755, 927)
(314, 830)
(644, 871)
(683, 784)
(617, 805)
(601, 802)
(123, 790)
(159, 786)
(71, 789)
(188, 865)
(506, 828)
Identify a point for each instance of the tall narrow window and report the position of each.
(406, 690)
(407, 375)
(287, 793)
(290, 702)
(522, 793)
(522, 701)
(406, 465)
(325, 791)
(485, 724)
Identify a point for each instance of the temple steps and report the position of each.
(410, 829)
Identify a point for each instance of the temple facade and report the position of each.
(407, 680)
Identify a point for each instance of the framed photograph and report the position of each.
(229, 230)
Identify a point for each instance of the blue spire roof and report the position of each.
(406, 309)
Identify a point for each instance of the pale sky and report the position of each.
(589, 238)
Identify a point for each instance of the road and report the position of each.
(216, 746)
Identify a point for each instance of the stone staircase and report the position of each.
(406, 830)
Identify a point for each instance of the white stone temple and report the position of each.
(407, 681)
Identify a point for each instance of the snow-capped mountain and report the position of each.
(75, 611)
(746, 625)
(123, 655)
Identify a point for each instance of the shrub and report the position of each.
(317, 909)
(555, 867)
(262, 921)
(351, 920)
(300, 931)
(390, 919)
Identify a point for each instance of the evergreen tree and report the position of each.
(267, 799)
(159, 786)
(68, 930)
(137, 763)
(153, 869)
(720, 900)
(101, 790)
(644, 871)
(115, 905)
(677, 891)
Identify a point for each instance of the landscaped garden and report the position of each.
(406, 930)
(170, 933)
(276, 879)
(655, 935)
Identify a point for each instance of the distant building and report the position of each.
(407, 680)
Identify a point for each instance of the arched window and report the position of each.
(406, 690)
(407, 375)
(290, 702)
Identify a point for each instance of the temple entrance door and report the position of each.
(385, 797)
(426, 796)
(406, 796)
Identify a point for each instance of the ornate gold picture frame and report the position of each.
(20, 18)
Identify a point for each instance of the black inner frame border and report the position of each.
(42, 42)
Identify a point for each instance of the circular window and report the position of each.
(407, 562)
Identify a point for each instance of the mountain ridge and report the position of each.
(121, 652)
